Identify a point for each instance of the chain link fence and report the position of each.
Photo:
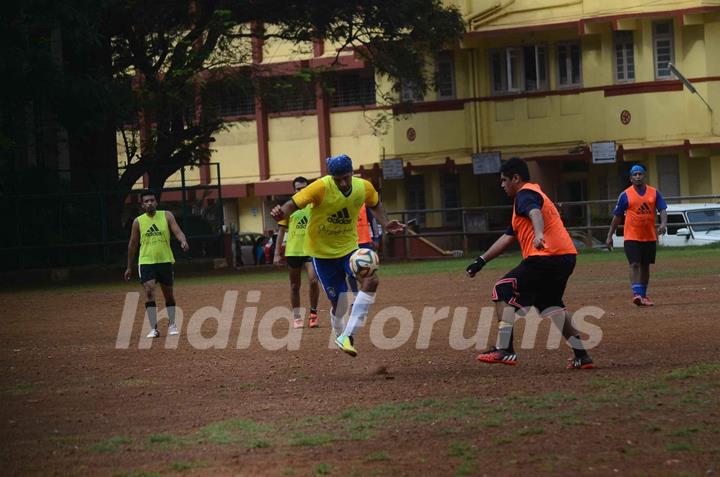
(62, 228)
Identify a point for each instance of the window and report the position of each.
(519, 69)
(451, 199)
(664, 48)
(356, 88)
(624, 56)
(237, 105)
(668, 171)
(409, 92)
(415, 197)
(535, 64)
(291, 94)
(711, 216)
(675, 222)
(445, 75)
(569, 65)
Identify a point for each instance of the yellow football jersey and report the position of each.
(332, 229)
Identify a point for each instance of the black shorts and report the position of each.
(537, 281)
(640, 252)
(297, 262)
(160, 272)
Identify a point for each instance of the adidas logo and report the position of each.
(340, 217)
(302, 223)
(644, 209)
(153, 231)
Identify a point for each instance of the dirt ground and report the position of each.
(73, 404)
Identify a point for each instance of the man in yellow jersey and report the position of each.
(540, 279)
(331, 238)
(297, 260)
(155, 265)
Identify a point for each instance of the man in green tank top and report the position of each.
(151, 231)
(297, 259)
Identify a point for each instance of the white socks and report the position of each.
(338, 324)
(359, 312)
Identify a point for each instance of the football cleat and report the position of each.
(496, 355)
(173, 330)
(647, 302)
(313, 321)
(638, 300)
(585, 362)
(345, 343)
(298, 323)
(154, 333)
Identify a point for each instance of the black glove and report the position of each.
(475, 267)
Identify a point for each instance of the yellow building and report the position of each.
(546, 80)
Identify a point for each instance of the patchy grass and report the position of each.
(530, 431)
(645, 403)
(679, 447)
(466, 453)
(701, 369)
(163, 441)
(184, 466)
(322, 469)
(684, 432)
(313, 440)
(19, 389)
(378, 456)
(234, 431)
(113, 444)
(388, 269)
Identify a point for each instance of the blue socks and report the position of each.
(639, 289)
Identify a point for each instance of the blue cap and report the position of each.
(637, 168)
(339, 165)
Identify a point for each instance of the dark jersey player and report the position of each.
(540, 279)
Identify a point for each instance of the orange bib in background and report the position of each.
(640, 215)
(363, 227)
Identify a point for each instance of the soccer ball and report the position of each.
(364, 262)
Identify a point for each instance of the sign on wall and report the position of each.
(603, 152)
(486, 162)
(392, 168)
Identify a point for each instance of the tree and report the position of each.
(169, 53)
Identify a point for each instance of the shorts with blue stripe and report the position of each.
(335, 276)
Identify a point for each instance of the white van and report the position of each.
(681, 229)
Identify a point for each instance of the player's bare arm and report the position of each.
(133, 245)
(172, 223)
(613, 227)
(280, 212)
(662, 229)
(496, 249)
(392, 226)
(538, 227)
(279, 257)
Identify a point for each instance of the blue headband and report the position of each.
(339, 165)
(637, 168)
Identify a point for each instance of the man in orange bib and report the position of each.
(638, 204)
(540, 279)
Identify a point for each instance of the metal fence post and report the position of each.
(466, 242)
(588, 224)
(406, 240)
